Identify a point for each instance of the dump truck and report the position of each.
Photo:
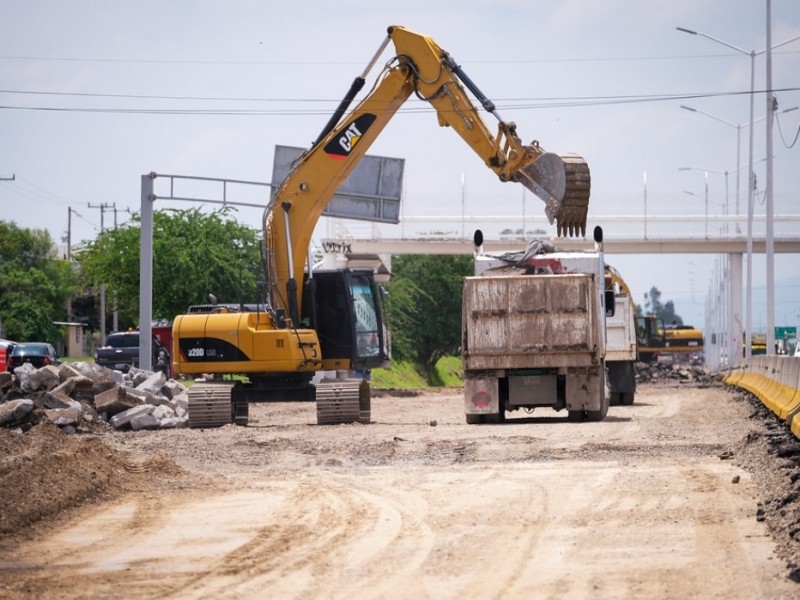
(621, 342)
(534, 333)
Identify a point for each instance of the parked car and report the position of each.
(121, 352)
(5, 350)
(39, 354)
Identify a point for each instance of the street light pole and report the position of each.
(726, 205)
(770, 206)
(728, 309)
(752, 54)
(706, 202)
(738, 127)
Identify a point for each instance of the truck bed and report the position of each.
(530, 321)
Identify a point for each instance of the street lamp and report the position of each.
(770, 284)
(738, 127)
(706, 200)
(725, 206)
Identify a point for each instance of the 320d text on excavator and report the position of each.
(312, 320)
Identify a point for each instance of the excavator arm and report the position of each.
(280, 355)
(419, 67)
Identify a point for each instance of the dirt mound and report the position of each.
(44, 473)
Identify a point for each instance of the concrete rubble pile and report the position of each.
(81, 397)
(667, 372)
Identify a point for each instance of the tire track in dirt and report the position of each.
(328, 529)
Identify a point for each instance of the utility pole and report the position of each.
(103, 207)
(69, 234)
(69, 253)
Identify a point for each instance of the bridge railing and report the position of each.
(515, 228)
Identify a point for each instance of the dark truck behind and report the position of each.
(121, 352)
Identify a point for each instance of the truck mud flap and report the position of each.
(482, 399)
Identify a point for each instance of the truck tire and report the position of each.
(598, 415)
(496, 418)
(595, 415)
(576, 416)
(621, 379)
(474, 419)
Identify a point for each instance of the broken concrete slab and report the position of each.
(117, 400)
(55, 400)
(65, 416)
(124, 418)
(144, 421)
(14, 411)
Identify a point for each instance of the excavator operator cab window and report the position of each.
(367, 321)
(343, 308)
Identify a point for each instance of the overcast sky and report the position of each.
(95, 94)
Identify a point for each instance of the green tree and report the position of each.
(653, 306)
(424, 307)
(194, 254)
(35, 284)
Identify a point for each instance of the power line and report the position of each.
(160, 97)
(525, 104)
(579, 59)
(623, 97)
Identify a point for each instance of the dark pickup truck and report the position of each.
(121, 352)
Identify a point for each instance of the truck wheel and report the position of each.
(595, 415)
(626, 399)
(474, 419)
(497, 418)
(576, 416)
(598, 415)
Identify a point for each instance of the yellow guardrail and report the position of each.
(775, 381)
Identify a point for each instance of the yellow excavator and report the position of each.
(314, 321)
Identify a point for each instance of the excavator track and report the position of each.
(210, 405)
(342, 401)
(571, 217)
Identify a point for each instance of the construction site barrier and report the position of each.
(774, 380)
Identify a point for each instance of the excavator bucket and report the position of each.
(563, 183)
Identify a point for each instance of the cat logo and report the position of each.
(341, 146)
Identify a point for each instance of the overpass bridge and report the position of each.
(726, 320)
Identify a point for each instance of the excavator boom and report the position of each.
(422, 68)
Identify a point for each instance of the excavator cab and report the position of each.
(343, 307)
(650, 336)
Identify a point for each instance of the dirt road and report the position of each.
(657, 501)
